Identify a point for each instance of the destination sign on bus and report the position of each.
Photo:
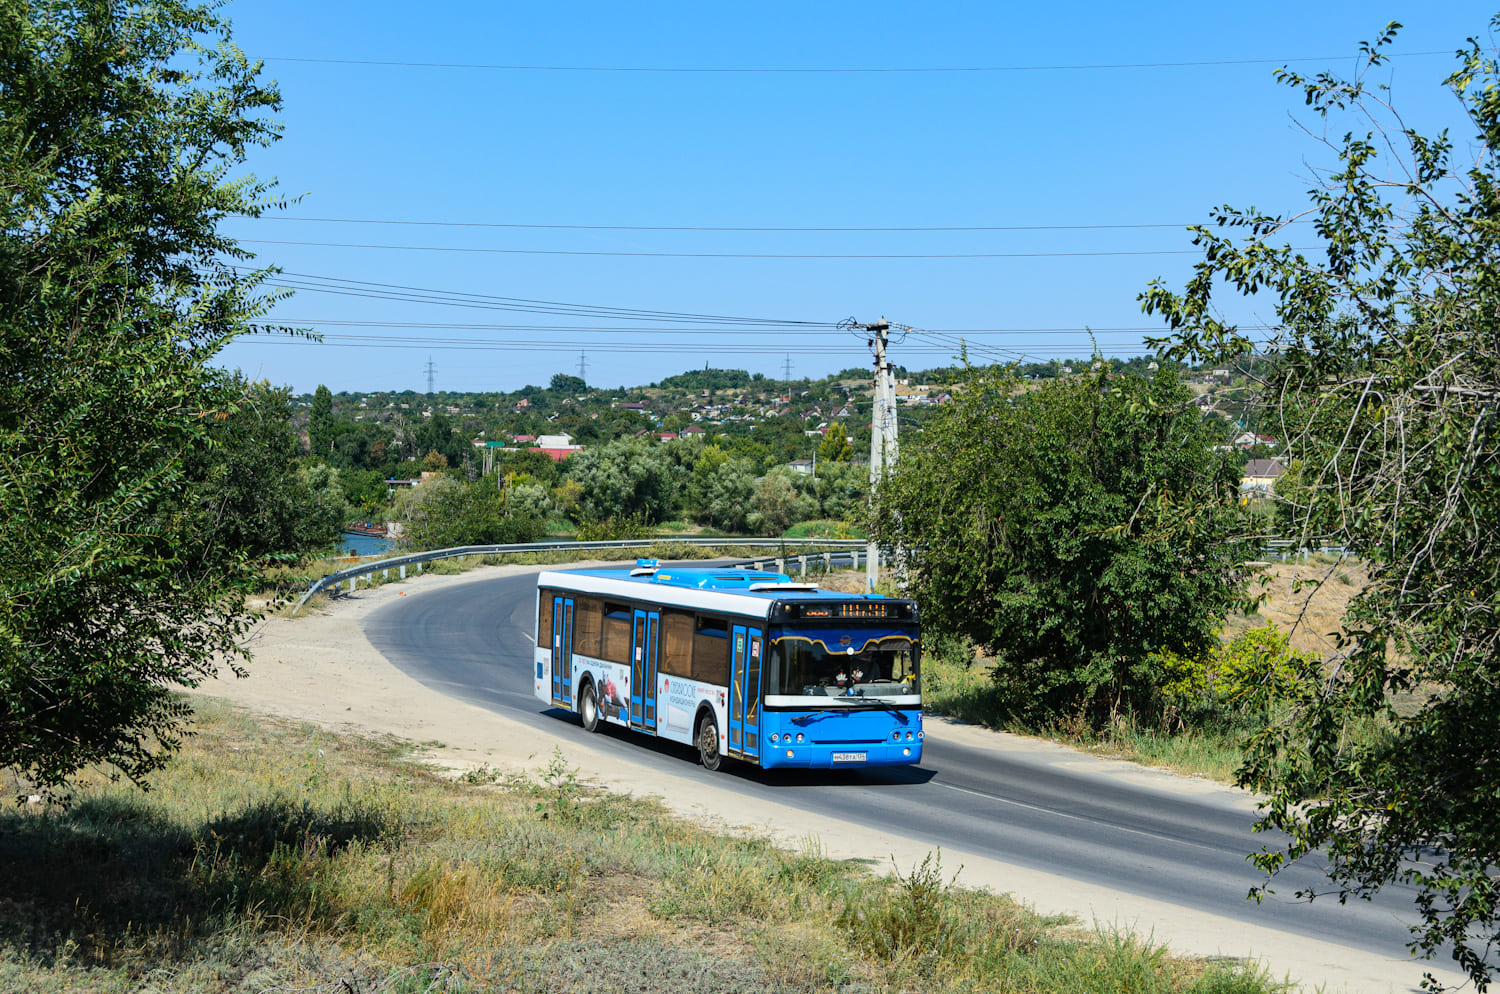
(852, 610)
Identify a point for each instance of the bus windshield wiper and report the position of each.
(877, 702)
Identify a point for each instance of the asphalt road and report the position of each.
(472, 642)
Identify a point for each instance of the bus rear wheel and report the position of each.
(708, 744)
(588, 707)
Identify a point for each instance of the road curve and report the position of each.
(472, 642)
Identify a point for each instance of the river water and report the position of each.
(351, 544)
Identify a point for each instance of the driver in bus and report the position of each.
(861, 665)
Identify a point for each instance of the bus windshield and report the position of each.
(801, 667)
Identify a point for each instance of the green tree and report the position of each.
(445, 513)
(1077, 530)
(438, 434)
(320, 422)
(365, 490)
(528, 462)
(835, 446)
(625, 479)
(245, 494)
(121, 124)
(567, 385)
(843, 489)
(721, 490)
(775, 504)
(1384, 377)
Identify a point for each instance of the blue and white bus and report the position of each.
(739, 663)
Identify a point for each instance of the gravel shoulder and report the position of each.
(321, 668)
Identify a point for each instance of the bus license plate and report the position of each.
(849, 757)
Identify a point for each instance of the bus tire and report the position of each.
(708, 743)
(588, 706)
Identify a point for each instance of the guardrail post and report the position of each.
(802, 562)
(385, 574)
(827, 562)
(781, 565)
(403, 571)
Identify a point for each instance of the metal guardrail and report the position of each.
(352, 574)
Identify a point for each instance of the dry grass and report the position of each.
(1304, 599)
(277, 856)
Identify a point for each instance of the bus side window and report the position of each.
(586, 621)
(711, 650)
(544, 619)
(615, 642)
(676, 643)
(752, 683)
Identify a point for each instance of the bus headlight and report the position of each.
(896, 735)
(906, 752)
(774, 740)
(799, 736)
(908, 736)
(919, 734)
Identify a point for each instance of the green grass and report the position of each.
(967, 692)
(279, 856)
(825, 528)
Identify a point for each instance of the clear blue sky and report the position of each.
(1050, 147)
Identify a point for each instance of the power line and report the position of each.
(767, 229)
(884, 70)
(937, 348)
(463, 298)
(719, 330)
(737, 255)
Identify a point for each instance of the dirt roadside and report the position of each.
(321, 668)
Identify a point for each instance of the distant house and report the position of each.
(1259, 477)
(557, 447)
(803, 466)
(693, 431)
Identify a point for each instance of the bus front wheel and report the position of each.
(588, 707)
(708, 744)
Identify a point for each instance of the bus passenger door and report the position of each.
(643, 670)
(562, 650)
(751, 720)
(653, 653)
(739, 653)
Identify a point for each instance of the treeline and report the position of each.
(620, 488)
